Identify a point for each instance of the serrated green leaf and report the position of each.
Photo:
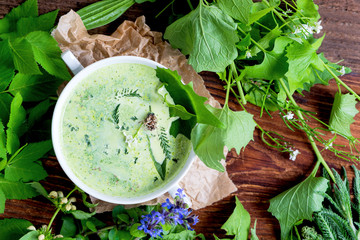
(134, 231)
(16, 190)
(34, 87)
(25, 172)
(32, 152)
(39, 188)
(299, 202)
(308, 9)
(255, 16)
(81, 215)
(23, 56)
(3, 152)
(237, 9)
(68, 227)
(13, 228)
(238, 223)
(27, 9)
(184, 95)
(274, 65)
(91, 226)
(47, 53)
(115, 234)
(302, 59)
(44, 22)
(264, 42)
(36, 113)
(342, 114)
(208, 142)
(16, 120)
(6, 65)
(2, 202)
(5, 103)
(183, 235)
(207, 35)
(32, 235)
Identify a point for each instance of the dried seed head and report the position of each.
(53, 194)
(150, 121)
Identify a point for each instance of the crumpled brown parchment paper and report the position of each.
(203, 185)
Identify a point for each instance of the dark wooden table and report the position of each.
(259, 173)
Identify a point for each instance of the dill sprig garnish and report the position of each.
(126, 92)
(164, 143)
(115, 114)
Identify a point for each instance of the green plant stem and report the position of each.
(238, 84)
(190, 5)
(338, 80)
(311, 139)
(100, 230)
(278, 14)
(253, 41)
(227, 92)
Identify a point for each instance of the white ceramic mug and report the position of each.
(81, 73)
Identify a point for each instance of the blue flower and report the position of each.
(167, 204)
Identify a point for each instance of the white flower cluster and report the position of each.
(307, 30)
(289, 115)
(67, 203)
(293, 154)
(42, 232)
(342, 71)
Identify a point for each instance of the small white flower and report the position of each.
(318, 27)
(289, 115)
(68, 207)
(289, 11)
(73, 207)
(63, 200)
(129, 139)
(328, 145)
(53, 194)
(72, 199)
(248, 54)
(41, 237)
(294, 154)
(59, 236)
(31, 228)
(44, 227)
(60, 194)
(342, 71)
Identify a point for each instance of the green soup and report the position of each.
(105, 140)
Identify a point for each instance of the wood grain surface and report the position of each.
(259, 172)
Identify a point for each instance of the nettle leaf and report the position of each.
(342, 114)
(32, 235)
(23, 56)
(43, 22)
(34, 87)
(237, 9)
(2, 201)
(209, 142)
(299, 202)
(68, 227)
(13, 228)
(81, 215)
(16, 120)
(47, 53)
(302, 59)
(3, 151)
(5, 103)
(28, 171)
(238, 223)
(17, 190)
(185, 96)
(274, 65)
(7, 68)
(207, 35)
(27, 9)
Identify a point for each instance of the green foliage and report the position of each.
(209, 142)
(299, 202)
(207, 35)
(342, 114)
(13, 228)
(239, 10)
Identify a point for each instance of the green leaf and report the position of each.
(208, 141)
(3, 152)
(124, 218)
(308, 9)
(342, 114)
(24, 56)
(237, 9)
(2, 202)
(36, 113)
(13, 228)
(6, 65)
(265, 41)
(68, 227)
(32, 235)
(16, 120)
(238, 223)
(253, 232)
(184, 95)
(27, 9)
(134, 231)
(302, 58)
(299, 202)
(115, 234)
(47, 53)
(44, 22)
(207, 35)
(244, 43)
(5, 103)
(32, 152)
(179, 111)
(91, 226)
(34, 87)
(274, 65)
(81, 215)
(25, 171)
(255, 16)
(17, 190)
(39, 188)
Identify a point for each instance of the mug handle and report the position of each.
(173, 192)
(71, 61)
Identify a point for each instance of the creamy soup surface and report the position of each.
(104, 136)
